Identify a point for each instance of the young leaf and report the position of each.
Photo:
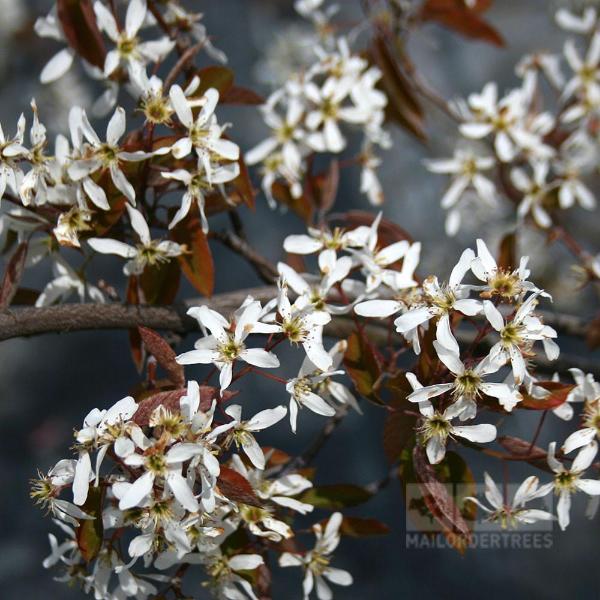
(557, 396)
(197, 264)
(160, 282)
(135, 339)
(78, 21)
(164, 354)
(236, 487)
(90, 532)
(398, 429)
(12, 275)
(438, 500)
(363, 367)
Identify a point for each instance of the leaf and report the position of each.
(160, 282)
(25, 296)
(557, 396)
(90, 533)
(438, 500)
(592, 337)
(398, 429)
(403, 106)
(197, 264)
(462, 20)
(359, 527)
(135, 339)
(243, 186)
(335, 497)
(241, 95)
(12, 275)
(363, 367)
(217, 77)
(78, 22)
(236, 487)
(163, 353)
(507, 253)
(323, 187)
(536, 456)
(301, 206)
(429, 361)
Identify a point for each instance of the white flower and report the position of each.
(96, 431)
(323, 239)
(11, 149)
(96, 155)
(583, 23)
(50, 27)
(156, 463)
(508, 285)
(147, 252)
(222, 570)
(226, 343)
(197, 184)
(65, 283)
(203, 133)
(503, 118)
(130, 50)
(329, 112)
(590, 429)
(313, 293)
(518, 335)
(375, 261)
(569, 481)
(441, 299)
(466, 170)
(586, 71)
(316, 562)
(535, 190)
(468, 382)
(437, 428)
(513, 514)
(302, 327)
(241, 431)
(302, 394)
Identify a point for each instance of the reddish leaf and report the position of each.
(358, 527)
(197, 264)
(78, 21)
(164, 354)
(12, 275)
(535, 455)
(90, 532)
(25, 296)
(243, 185)
(557, 396)
(301, 206)
(592, 337)
(242, 95)
(403, 106)
(217, 77)
(462, 20)
(363, 367)
(323, 187)
(507, 254)
(398, 429)
(160, 282)
(236, 487)
(437, 498)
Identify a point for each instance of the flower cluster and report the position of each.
(177, 496)
(306, 114)
(538, 152)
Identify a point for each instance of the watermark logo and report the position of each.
(507, 528)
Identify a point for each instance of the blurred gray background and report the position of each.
(48, 384)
